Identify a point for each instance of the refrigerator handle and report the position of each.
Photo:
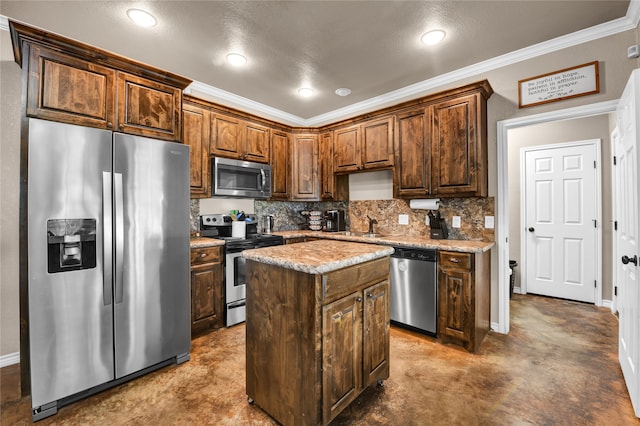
(119, 236)
(107, 235)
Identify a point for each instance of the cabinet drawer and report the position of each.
(206, 255)
(347, 280)
(449, 259)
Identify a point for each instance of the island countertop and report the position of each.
(318, 257)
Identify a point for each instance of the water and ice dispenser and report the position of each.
(71, 244)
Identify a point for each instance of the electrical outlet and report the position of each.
(455, 222)
(489, 222)
(403, 219)
(426, 220)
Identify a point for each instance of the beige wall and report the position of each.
(614, 71)
(596, 127)
(9, 196)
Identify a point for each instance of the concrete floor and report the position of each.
(558, 365)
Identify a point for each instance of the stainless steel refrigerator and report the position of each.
(108, 244)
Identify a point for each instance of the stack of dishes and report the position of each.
(315, 220)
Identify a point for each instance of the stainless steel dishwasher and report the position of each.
(414, 289)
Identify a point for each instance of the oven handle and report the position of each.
(237, 304)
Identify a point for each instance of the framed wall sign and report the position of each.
(555, 86)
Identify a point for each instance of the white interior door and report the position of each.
(561, 212)
(626, 199)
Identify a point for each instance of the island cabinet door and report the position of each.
(376, 333)
(341, 354)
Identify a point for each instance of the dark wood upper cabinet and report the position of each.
(305, 179)
(366, 146)
(441, 149)
(226, 133)
(71, 90)
(196, 133)
(148, 108)
(240, 139)
(376, 146)
(280, 165)
(346, 149)
(412, 164)
(256, 142)
(75, 83)
(456, 150)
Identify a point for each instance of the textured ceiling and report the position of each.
(371, 47)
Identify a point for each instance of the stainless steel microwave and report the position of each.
(242, 179)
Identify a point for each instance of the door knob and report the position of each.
(531, 229)
(627, 259)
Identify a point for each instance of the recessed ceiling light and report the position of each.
(142, 18)
(306, 92)
(236, 59)
(433, 37)
(343, 91)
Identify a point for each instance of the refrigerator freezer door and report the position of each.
(70, 313)
(151, 302)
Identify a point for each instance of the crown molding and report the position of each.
(4, 23)
(214, 94)
(629, 22)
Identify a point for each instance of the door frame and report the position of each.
(502, 203)
(597, 144)
(615, 133)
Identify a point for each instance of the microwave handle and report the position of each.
(263, 179)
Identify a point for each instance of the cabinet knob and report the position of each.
(110, 125)
(121, 127)
(454, 260)
(203, 254)
(358, 299)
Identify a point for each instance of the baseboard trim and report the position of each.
(9, 359)
(607, 303)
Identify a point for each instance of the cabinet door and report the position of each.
(377, 144)
(196, 125)
(376, 333)
(346, 150)
(207, 303)
(148, 108)
(280, 165)
(341, 354)
(327, 178)
(256, 146)
(454, 147)
(70, 90)
(412, 161)
(226, 136)
(454, 303)
(306, 185)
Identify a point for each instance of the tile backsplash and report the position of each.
(471, 211)
(288, 217)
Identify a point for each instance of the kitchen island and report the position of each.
(317, 327)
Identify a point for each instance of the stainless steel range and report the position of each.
(219, 226)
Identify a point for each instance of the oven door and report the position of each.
(235, 277)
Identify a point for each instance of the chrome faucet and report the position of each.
(371, 223)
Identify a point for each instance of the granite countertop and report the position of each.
(464, 246)
(200, 242)
(318, 257)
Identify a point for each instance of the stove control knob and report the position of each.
(208, 219)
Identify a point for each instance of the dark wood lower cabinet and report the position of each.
(315, 342)
(464, 298)
(207, 289)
